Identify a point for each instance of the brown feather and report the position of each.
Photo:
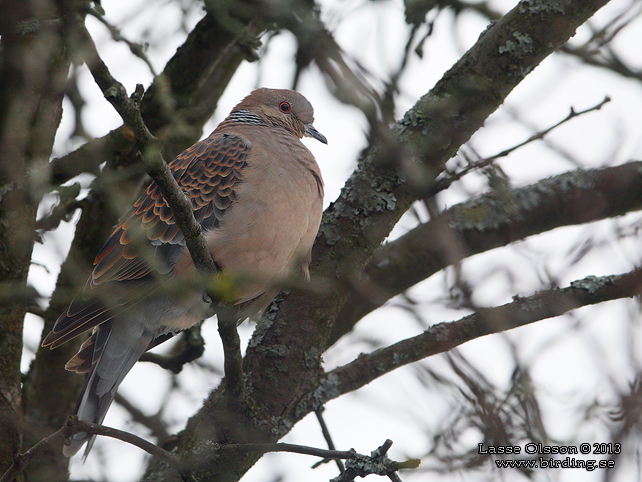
(199, 171)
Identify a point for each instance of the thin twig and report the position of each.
(328, 439)
(73, 426)
(445, 181)
(286, 447)
(137, 49)
(21, 461)
(128, 109)
(130, 438)
(233, 364)
(357, 465)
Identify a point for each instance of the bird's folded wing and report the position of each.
(208, 173)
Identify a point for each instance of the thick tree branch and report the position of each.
(442, 337)
(487, 222)
(89, 156)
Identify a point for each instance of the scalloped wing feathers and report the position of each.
(208, 173)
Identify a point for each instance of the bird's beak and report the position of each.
(310, 131)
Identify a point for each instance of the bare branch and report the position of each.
(328, 439)
(73, 426)
(444, 336)
(357, 465)
(156, 166)
(444, 182)
(97, 429)
(191, 347)
(89, 156)
(233, 365)
(21, 461)
(487, 222)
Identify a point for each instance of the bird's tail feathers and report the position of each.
(119, 345)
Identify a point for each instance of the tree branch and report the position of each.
(357, 465)
(89, 156)
(487, 222)
(191, 347)
(444, 336)
(233, 364)
(155, 165)
(445, 181)
(328, 438)
(73, 426)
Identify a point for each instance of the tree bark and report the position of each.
(33, 72)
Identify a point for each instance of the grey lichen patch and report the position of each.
(370, 193)
(530, 197)
(311, 358)
(577, 179)
(592, 284)
(203, 447)
(413, 119)
(494, 210)
(7, 188)
(385, 200)
(441, 331)
(328, 389)
(518, 48)
(27, 27)
(329, 230)
(423, 116)
(276, 351)
(485, 212)
(266, 321)
(280, 425)
(542, 6)
(399, 359)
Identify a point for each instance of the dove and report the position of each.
(257, 193)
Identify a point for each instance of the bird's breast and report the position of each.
(270, 228)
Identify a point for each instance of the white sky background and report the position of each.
(570, 363)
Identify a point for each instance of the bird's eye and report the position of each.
(285, 107)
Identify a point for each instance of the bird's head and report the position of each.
(283, 108)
